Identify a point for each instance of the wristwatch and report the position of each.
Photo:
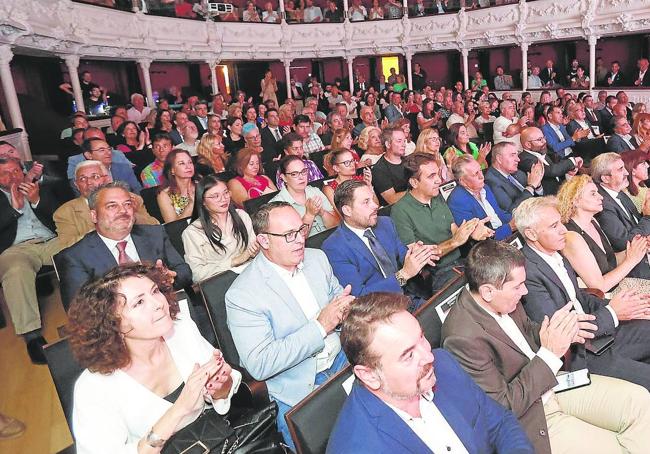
(154, 440)
(401, 280)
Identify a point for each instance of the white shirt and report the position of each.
(489, 210)
(614, 196)
(557, 265)
(432, 427)
(130, 249)
(301, 291)
(568, 150)
(500, 126)
(583, 124)
(359, 233)
(508, 325)
(136, 116)
(311, 13)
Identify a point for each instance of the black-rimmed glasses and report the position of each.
(290, 237)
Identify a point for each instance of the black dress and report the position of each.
(606, 259)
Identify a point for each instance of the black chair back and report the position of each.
(149, 196)
(488, 132)
(65, 370)
(213, 290)
(384, 211)
(312, 420)
(319, 159)
(433, 313)
(175, 231)
(252, 205)
(316, 241)
(318, 184)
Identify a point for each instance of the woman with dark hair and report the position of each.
(163, 123)
(136, 145)
(176, 194)
(460, 145)
(250, 182)
(343, 164)
(149, 372)
(427, 118)
(234, 140)
(636, 164)
(308, 201)
(222, 237)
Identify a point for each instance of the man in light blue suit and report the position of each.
(410, 399)
(283, 310)
(557, 137)
(472, 198)
(365, 250)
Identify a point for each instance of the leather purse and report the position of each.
(209, 433)
(257, 432)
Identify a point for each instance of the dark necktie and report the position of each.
(515, 183)
(123, 257)
(629, 207)
(385, 263)
(277, 135)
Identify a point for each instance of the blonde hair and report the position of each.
(339, 135)
(205, 150)
(420, 146)
(569, 192)
(364, 137)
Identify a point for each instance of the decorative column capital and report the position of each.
(145, 63)
(465, 51)
(212, 64)
(349, 59)
(71, 60)
(593, 39)
(408, 53)
(524, 46)
(286, 62)
(6, 55)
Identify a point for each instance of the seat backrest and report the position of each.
(149, 196)
(316, 241)
(175, 231)
(446, 189)
(213, 290)
(384, 211)
(312, 419)
(65, 370)
(516, 240)
(252, 205)
(488, 132)
(433, 313)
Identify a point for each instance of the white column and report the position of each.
(409, 71)
(524, 66)
(282, 13)
(144, 67)
(213, 75)
(346, 6)
(465, 53)
(72, 62)
(593, 39)
(350, 73)
(287, 76)
(6, 55)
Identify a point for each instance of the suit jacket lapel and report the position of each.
(545, 269)
(359, 247)
(103, 257)
(276, 283)
(621, 214)
(445, 404)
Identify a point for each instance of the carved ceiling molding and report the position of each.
(64, 27)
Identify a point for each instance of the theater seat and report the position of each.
(149, 196)
(252, 205)
(175, 231)
(65, 370)
(312, 419)
(316, 241)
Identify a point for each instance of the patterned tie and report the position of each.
(278, 137)
(385, 263)
(123, 257)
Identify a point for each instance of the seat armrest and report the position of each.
(251, 393)
(595, 292)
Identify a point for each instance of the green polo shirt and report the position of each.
(430, 224)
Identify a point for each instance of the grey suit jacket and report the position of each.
(275, 341)
(498, 366)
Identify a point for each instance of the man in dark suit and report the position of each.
(614, 77)
(591, 114)
(27, 243)
(620, 348)
(534, 145)
(392, 407)
(116, 240)
(365, 251)
(621, 139)
(510, 185)
(549, 75)
(643, 76)
(201, 117)
(180, 118)
(271, 136)
(606, 115)
(473, 199)
(516, 360)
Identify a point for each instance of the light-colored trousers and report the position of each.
(609, 416)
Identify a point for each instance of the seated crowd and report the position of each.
(404, 195)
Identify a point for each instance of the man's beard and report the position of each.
(402, 396)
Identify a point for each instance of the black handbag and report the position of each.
(209, 433)
(257, 432)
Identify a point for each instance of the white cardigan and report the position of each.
(111, 413)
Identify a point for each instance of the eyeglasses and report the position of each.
(539, 139)
(302, 173)
(291, 236)
(347, 163)
(221, 196)
(93, 177)
(103, 149)
(435, 138)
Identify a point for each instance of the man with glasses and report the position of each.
(283, 311)
(292, 144)
(152, 175)
(27, 242)
(555, 173)
(100, 150)
(622, 139)
(72, 219)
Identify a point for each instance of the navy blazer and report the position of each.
(354, 264)
(616, 144)
(89, 259)
(464, 206)
(366, 425)
(507, 194)
(606, 120)
(554, 172)
(554, 142)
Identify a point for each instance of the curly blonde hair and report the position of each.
(569, 192)
(364, 137)
(205, 150)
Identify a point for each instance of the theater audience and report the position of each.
(308, 201)
(287, 338)
(176, 194)
(99, 150)
(636, 165)
(222, 236)
(72, 219)
(516, 361)
(471, 198)
(551, 283)
(407, 395)
(116, 240)
(155, 371)
(28, 243)
(250, 181)
(211, 153)
(510, 185)
(587, 248)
